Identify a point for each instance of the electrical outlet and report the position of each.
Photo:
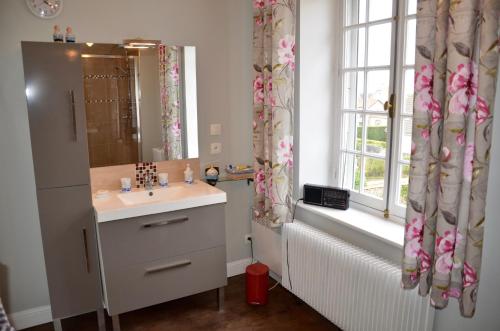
(248, 238)
(215, 148)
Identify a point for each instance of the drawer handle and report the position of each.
(168, 266)
(166, 222)
(73, 111)
(86, 249)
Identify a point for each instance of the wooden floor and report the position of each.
(199, 312)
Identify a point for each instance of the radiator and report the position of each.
(353, 288)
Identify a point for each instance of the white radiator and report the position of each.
(353, 288)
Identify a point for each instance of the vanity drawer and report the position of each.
(158, 281)
(157, 236)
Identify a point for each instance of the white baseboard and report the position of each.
(31, 317)
(275, 276)
(41, 315)
(237, 267)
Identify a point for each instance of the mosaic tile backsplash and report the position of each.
(143, 168)
(108, 178)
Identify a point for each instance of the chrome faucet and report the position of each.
(148, 181)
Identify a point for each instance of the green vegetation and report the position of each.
(374, 168)
(406, 171)
(374, 133)
(404, 194)
(370, 142)
(357, 180)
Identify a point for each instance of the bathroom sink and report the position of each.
(140, 202)
(156, 195)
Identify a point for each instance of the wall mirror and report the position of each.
(140, 102)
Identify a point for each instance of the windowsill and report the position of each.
(376, 227)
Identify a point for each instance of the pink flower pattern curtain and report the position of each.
(456, 72)
(273, 108)
(170, 95)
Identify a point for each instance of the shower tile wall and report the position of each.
(110, 109)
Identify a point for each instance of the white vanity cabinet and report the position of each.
(155, 258)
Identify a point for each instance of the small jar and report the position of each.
(163, 179)
(126, 184)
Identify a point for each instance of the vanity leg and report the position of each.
(116, 322)
(220, 298)
(57, 324)
(101, 320)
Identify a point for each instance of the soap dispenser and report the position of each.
(188, 174)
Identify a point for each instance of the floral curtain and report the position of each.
(170, 101)
(456, 69)
(273, 107)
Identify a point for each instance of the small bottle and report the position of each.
(70, 36)
(188, 175)
(57, 36)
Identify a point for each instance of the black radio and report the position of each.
(326, 196)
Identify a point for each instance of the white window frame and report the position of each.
(388, 205)
(394, 207)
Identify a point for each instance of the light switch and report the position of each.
(215, 148)
(215, 129)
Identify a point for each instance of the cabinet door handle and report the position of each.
(173, 265)
(86, 249)
(165, 222)
(73, 111)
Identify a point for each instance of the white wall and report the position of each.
(222, 32)
(318, 84)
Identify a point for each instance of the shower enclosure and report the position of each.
(110, 73)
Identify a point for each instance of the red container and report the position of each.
(257, 279)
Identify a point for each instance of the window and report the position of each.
(377, 71)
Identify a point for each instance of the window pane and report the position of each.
(412, 7)
(353, 90)
(354, 48)
(410, 41)
(352, 131)
(377, 89)
(403, 184)
(351, 171)
(405, 141)
(374, 171)
(376, 134)
(380, 9)
(379, 44)
(355, 12)
(408, 91)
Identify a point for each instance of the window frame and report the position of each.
(388, 206)
(401, 67)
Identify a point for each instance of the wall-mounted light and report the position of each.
(30, 91)
(72, 54)
(89, 44)
(136, 46)
(140, 43)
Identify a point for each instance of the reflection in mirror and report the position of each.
(140, 103)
